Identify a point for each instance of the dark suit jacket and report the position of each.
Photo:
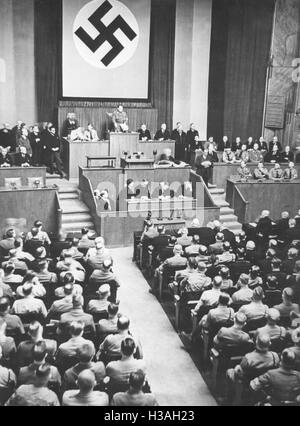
(5, 138)
(264, 227)
(20, 159)
(190, 138)
(160, 135)
(180, 145)
(145, 134)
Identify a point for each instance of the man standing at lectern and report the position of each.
(120, 120)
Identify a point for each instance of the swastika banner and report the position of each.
(106, 48)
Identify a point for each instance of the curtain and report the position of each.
(247, 32)
(47, 57)
(17, 84)
(162, 45)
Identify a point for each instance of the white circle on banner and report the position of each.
(106, 33)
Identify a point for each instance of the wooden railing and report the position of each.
(59, 213)
(86, 188)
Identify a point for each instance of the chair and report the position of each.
(227, 356)
(272, 298)
(30, 317)
(208, 336)
(166, 276)
(253, 325)
(182, 304)
(99, 316)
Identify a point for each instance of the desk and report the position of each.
(75, 153)
(166, 207)
(137, 163)
(250, 198)
(27, 175)
(149, 146)
(122, 142)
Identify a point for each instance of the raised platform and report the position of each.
(248, 199)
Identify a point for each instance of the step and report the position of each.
(221, 203)
(73, 206)
(68, 195)
(228, 218)
(77, 226)
(76, 217)
(232, 225)
(226, 210)
(216, 191)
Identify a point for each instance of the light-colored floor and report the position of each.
(173, 376)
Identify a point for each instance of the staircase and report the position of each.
(75, 213)
(227, 216)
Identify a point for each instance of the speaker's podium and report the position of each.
(122, 142)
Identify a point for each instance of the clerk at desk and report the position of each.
(144, 134)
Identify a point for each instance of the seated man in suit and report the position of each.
(22, 158)
(5, 160)
(162, 134)
(273, 156)
(290, 173)
(276, 174)
(90, 134)
(70, 124)
(144, 134)
(287, 155)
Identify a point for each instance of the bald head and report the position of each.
(86, 381)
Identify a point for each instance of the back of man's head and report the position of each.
(113, 309)
(258, 294)
(244, 279)
(86, 353)
(34, 231)
(137, 380)
(11, 233)
(288, 359)
(86, 381)
(77, 328)
(39, 351)
(42, 375)
(224, 299)
(273, 316)
(68, 278)
(276, 263)
(128, 347)
(287, 294)
(177, 249)
(240, 319)
(192, 263)
(123, 323)
(225, 272)
(34, 328)
(9, 268)
(4, 305)
(217, 282)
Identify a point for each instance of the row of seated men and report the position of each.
(63, 339)
(238, 293)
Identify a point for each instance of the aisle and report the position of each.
(173, 376)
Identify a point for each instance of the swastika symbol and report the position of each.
(106, 33)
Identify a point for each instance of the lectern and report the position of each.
(122, 142)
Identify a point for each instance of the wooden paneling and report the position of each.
(222, 171)
(74, 154)
(23, 173)
(275, 112)
(97, 115)
(274, 196)
(26, 206)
